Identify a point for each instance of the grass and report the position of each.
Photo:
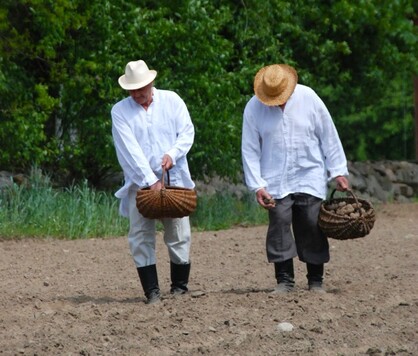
(82, 212)
(223, 211)
(76, 212)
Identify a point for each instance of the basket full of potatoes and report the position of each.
(347, 217)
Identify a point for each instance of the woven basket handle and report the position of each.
(352, 194)
(168, 177)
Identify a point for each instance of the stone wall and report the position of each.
(385, 181)
(376, 181)
(380, 181)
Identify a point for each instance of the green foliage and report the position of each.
(60, 61)
(382, 131)
(223, 211)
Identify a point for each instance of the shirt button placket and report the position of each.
(151, 137)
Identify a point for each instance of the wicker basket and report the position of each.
(169, 202)
(345, 227)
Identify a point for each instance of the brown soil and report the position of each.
(83, 297)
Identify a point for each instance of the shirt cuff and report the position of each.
(341, 171)
(150, 180)
(173, 154)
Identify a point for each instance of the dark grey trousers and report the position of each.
(298, 212)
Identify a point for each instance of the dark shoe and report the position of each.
(179, 278)
(177, 291)
(149, 281)
(316, 287)
(315, 277)
(285, 276)
(283, 288)
(153, 297)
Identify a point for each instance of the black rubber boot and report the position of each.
(285, 276)
(149, 280)
(315, 277)
(179, 278)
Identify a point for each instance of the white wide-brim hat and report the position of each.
(137, 75)
(274, 84)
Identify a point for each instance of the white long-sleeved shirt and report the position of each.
(142, 137)
(295, 150)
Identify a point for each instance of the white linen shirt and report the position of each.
(142, 137)
(292, 151)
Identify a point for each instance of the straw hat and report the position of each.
(274, 84)
(137, 75)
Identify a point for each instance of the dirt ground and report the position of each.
(83, 297)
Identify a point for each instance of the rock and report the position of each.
(285, 327)
(197, 294)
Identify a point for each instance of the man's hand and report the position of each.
(342, 183)
(156, 186)
(167, 162)
(265, 199)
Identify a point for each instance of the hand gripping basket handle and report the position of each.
(168, 178)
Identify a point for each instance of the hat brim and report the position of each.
(292, 78)
(132, 86)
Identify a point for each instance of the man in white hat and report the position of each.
(152, 130)
(290, 151)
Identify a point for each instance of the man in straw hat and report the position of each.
(152, 130)
(290, 150)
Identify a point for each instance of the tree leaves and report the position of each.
(60, 61)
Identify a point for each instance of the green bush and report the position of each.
(60, 61)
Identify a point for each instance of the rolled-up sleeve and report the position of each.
(129, 153)
(335, 159)
(184, 131)
(251, 153)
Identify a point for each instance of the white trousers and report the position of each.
(142, 234)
